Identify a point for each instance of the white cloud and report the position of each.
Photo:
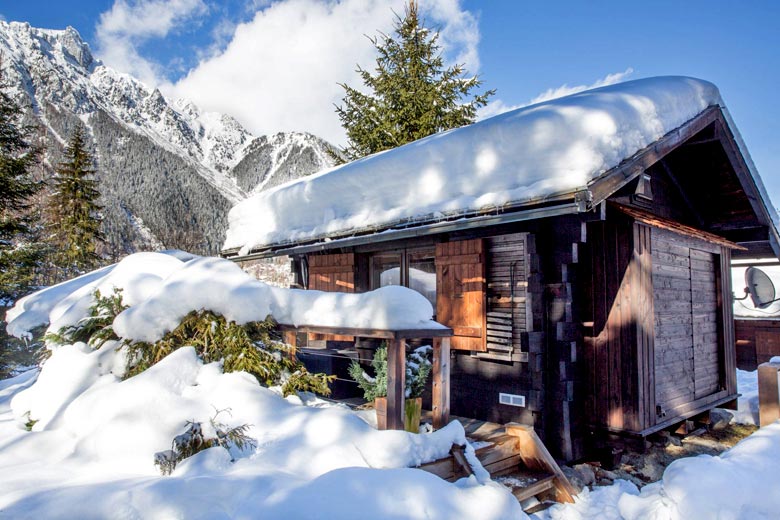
(566, 90)
(280, 71)
(498, 106)
(129, 23)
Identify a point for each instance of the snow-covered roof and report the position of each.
(528, 155)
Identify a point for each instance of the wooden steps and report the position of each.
(517, 454)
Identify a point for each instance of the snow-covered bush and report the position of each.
(95, 328)
(193, 440)
(249, 348)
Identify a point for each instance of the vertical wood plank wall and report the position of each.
(687, 283)
(661, 331)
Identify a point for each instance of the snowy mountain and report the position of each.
(169, 172)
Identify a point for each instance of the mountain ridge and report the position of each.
(168, 165)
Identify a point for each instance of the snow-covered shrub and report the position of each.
(96, 328)
(249, 348)
(193, 441)
(418, 368)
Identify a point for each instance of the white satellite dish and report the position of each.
(759, 287)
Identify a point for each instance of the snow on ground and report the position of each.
(747, 404)
(90, 452)
(538, 151)
(91, 455)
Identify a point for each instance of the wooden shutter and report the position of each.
(460, 290)
(332, 273)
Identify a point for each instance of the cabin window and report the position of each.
(413, 268)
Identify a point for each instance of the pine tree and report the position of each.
(411, 94)
(75, 212)
(18, 255)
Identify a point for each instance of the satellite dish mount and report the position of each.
(759, 287)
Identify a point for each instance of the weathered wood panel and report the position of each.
(461, 292)
(674, 366)
(690, 324)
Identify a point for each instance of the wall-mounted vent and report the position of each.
(511, 399)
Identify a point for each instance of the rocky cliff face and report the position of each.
(168, 172)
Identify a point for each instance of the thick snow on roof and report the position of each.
(530, 153)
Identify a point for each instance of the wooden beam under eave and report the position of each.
(396, 383)
(681, 192)
(609, 183)
(441, 382)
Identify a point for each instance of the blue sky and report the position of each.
(301, 48)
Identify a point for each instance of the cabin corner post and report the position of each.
(441, 382)
(396, 384)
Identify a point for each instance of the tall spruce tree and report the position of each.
(19, 255)
(75, 212)
(412, 95)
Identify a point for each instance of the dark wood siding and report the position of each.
(461, 296)
(619, 339)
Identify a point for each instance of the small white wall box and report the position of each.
(511, 399)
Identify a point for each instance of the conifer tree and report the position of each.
(412, 95)
(18, 254)
(76, 215)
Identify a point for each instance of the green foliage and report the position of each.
(18, 354)
(303, 381)
(75, 212)
(247, 348)
(411, 94)
(418, 369)
(96, 328)
(18, 253)
(192, 441)
(376, 386)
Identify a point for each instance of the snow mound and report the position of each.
(91, 451)
(530, 153)
(161, 289)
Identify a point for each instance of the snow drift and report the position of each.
(90, 452)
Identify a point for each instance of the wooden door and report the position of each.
(461, 294)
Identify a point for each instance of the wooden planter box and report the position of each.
(412, 413)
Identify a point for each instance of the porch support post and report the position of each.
(289, 337)
(441, 382)
(396, 384)
(768, 393)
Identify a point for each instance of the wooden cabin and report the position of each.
(757, 331)
(586, 307)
